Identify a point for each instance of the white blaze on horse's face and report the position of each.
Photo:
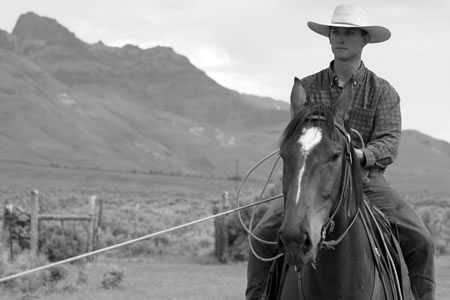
(309, 138)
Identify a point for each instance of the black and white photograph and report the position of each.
(257, 150)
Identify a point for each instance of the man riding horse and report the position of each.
(375, 114)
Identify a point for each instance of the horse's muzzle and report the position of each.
(297, 249)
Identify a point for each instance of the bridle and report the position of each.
(345, 186)
(345, 190)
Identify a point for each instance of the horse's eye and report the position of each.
(335, 156)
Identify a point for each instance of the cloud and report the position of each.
(246, 83)
(208, 57)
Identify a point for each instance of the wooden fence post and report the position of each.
(217, 239)
(224, 224)
(99, 219)
(34, 230)
(221, 230)
(92, 223)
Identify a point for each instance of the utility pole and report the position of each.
(236, 176)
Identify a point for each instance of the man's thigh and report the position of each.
(398, 210)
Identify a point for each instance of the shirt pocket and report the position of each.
(362, 120)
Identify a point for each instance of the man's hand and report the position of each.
(362, 160)
(361, 157)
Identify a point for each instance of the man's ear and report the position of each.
(343, 102)
(366, 39)
(298, 97)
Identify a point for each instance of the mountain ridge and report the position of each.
(34, 27)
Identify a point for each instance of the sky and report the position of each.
(259, 46)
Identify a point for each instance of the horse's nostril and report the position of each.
(303, 241)
(307, 243)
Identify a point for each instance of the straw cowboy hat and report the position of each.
(352, 16)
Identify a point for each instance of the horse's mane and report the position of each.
(304, 118)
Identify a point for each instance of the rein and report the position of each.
(345, 190)
(329, 225)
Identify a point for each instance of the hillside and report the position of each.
(422, 166)
(67, 103)
(74, 104)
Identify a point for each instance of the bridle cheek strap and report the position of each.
(345, 189)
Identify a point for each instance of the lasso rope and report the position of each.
(249, 228)
(126, 243)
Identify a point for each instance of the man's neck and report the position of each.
(346, 69)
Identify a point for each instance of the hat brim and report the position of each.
(378, 34)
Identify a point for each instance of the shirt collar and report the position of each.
(357, 77)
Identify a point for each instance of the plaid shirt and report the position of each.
(375, 111)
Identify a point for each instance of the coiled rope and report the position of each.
(250, 226)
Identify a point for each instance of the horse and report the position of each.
(335, 244)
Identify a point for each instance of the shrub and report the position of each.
(57, 274)
(237, 236)
(440, 246)
(116, 227)
(140, 248)
(237, 248)
(57, 244)
(32, 282)
(82, 278)
(430, 220)
(112, 279)
(3, 259)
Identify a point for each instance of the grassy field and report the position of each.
(152, 279)
(164, 201)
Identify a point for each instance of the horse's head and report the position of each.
(314, 147)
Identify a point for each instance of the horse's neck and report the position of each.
(347, 270)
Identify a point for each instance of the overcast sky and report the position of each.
(258, 46)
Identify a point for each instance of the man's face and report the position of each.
(347, 43)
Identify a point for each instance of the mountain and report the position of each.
(33, 27)
(67, 103)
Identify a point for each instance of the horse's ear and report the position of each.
(298, 97)
(343, 102)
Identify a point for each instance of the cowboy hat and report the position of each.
(352, 16)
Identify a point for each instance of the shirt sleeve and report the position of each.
(383, 146)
